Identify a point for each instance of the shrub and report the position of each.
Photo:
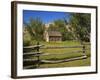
(26, 40)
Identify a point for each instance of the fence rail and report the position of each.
(65, 60)
(61, 47)
(35, 46)
(32, 53)
(29, 60)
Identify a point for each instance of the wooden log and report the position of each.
(30, 67)
(32, 53)
(25, 60)
(86, 44)
(61, 47)
(65, 60)
(45, 54)
(35, 46)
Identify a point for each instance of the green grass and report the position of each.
(64, 53)
(59, 43)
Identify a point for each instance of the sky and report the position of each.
(45, 16)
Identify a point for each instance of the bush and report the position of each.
(26, 40)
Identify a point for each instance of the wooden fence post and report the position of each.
(38, 56)
(84, 50)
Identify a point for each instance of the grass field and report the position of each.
(63, 53)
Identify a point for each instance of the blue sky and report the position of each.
(45, 16)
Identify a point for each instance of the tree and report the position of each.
(81, 22)
(63, 28)
(35, 28)
(52, 27)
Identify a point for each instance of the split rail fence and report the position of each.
(37, 61)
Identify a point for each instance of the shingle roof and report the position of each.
(54, 33)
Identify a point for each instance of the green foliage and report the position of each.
(62, 28)
(26, 43)
(52, 27)
(81, 23)
(36, 29)
(26, 39)
(69, 36)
